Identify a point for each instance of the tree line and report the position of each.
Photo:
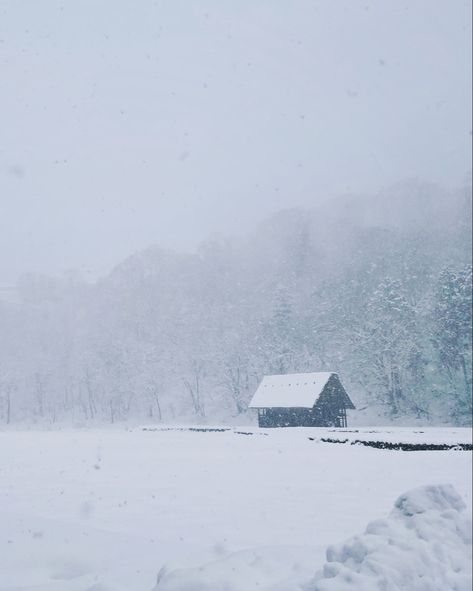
(377, 288)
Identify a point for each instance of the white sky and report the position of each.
(124, 124)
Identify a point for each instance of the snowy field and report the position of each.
(98, 510)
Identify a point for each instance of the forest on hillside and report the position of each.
(376, 288)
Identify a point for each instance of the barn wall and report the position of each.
(288, 417)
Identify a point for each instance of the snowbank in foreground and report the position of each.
(424, 545)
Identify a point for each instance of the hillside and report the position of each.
(377, 288)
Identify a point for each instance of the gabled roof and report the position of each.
(297, 390)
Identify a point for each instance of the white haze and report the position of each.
(195, 194)
(129, 124)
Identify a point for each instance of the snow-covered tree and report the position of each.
(452, 336)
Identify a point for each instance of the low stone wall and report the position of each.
(402, 446)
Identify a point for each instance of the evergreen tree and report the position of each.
(278, 340)
(452, 336)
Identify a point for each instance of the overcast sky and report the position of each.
(125, 124)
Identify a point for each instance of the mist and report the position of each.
(235, 295)
(125, 126)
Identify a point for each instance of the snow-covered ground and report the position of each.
(423, 545)
(98, 510)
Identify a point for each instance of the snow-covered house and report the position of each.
(302, 400)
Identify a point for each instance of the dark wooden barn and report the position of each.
(302, 400)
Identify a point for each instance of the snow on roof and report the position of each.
(296, 390)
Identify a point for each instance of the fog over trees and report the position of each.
(377, 288)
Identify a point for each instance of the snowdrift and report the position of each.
(423, 545)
